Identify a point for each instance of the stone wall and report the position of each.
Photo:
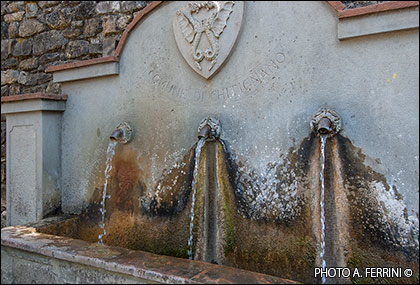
(358, 4)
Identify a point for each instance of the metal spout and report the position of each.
(122, 133)
(116, 135)
(326, 122)
(209, 129)
(205, 132)
(324, 126)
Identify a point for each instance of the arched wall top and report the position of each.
(337, 5)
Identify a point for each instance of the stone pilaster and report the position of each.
(33, 171)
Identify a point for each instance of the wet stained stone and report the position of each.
(226, 275)
(246, 241)
(172, 199)
(126, 223)
(366, 226)
(269, 246)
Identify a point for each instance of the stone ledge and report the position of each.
(382, 7)
(370, 24)
(377, 8)
(143, 265)
(32, 102)
(82, 63)
(32, 96)
(85, 71)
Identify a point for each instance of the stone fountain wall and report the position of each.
(76, 30)
(278, 73)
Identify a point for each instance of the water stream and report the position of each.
(321, 203)
(198, 148)
(109, 155)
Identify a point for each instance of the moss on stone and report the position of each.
(181, 252)
(362, 258)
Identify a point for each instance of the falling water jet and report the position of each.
(322, 203)
(121, 134)
(109, 155)
(325, 123)
(198, 148)
(208, 130)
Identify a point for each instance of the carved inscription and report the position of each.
(260, 75)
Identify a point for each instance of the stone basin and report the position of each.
(40, 256)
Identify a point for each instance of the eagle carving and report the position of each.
(201, 24)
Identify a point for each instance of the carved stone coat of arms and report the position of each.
(205, 33)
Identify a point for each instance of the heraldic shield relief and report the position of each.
(205, 33)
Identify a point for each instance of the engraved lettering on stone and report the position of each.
(263, 73)
(212, 27)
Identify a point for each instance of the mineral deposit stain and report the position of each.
(265, 223)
